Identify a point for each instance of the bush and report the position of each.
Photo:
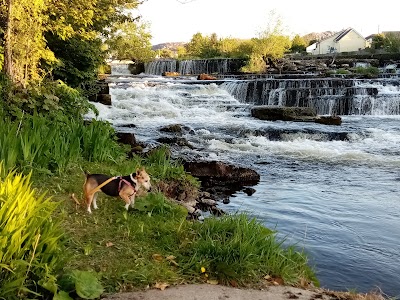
(30, 239)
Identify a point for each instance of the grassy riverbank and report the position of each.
(151, 245)
(154, 244)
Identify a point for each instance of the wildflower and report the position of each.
(203, 270)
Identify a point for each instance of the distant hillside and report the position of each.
(173, 46)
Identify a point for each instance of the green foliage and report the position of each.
(238, 248)
(159, 162)
(370, 72)
(84, 283)
(378, 41)
(131, 41)
(392, 42)
(166, 53)
(298, 44)
(203, 47)
(30, 239)
(51, 98)
(50, 146)
(78, 60)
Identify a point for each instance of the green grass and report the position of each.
(155, 243)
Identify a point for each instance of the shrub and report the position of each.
(30, 239)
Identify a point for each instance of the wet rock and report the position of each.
(126, 138)
(174, 128)
(171, 74)
(118, 127)
(219, 172)
(175, 141)
(249, 191)
(204, 76)
(274, 113)
(103, 99)
(329, 120)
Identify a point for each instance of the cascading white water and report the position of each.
(350, 97)
(120, 69)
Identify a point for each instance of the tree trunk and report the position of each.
(8, 65)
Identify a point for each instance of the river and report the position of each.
(334, 191)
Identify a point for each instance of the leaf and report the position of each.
(109, 244)
(49, 284)
(171, 259)
(61, 295)
(161, 285)
(87, 285)
(157, 257)
(212, 281)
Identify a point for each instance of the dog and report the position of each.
(125, 187)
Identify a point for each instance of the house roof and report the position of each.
(339, 35)
(342, 34)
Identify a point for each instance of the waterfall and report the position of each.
(158, 67)
(120, 69)
(194, 66)
(329, 96)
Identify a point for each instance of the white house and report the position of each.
(347, 40)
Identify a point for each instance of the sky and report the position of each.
(179, 20)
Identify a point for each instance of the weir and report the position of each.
(194, 66)
(329, 96)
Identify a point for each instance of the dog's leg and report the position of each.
(95, 201)
(127, 194)
(132, 200)
(89, 203)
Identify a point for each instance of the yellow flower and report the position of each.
(203, 270)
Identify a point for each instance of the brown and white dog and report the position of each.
(125, 187)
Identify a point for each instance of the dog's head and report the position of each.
(143, 179)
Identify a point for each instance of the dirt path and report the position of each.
(218, 292)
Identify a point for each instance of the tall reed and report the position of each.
(30, 239)
(50, 146)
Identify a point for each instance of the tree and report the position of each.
(24, 45)
(195, 46)
(392, 42)
(166, 53)
(270, 46)
(77, 60)
(298, 44)
(25, 23)
(378, 41)
(129, 40)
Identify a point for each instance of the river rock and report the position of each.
(173, 128)
(274, 113)
(329, 120)
(204, 76)
(219, 172)
(179, 141)
(103, 99)
(171, 74)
